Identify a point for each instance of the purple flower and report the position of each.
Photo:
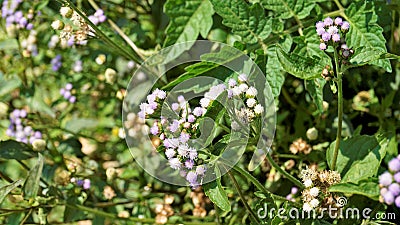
(332, 30)
(385, 179)
(192, 153)
(68, 86)
(79, 182)
(394, 165)
(22, 113)
(171, 142)
(154, 129)
(93, 19)
(174, 163)
(77, 67)
(294, 190)
(328, 21)
(29, 26)
(183, 150)
(170, 152)
(184, 137)
(189, 164)
(198, 111)
(397, 177)
(175, 106)
(388, 197)
(174, 126)
(320, 30)
(201, 170)
(86, 184)
(181, 99)
(326, 36)
(395, 189)
(191, 118)
(338, 21)
(322, 46)
(397, 201)
(191, 177)
(319, 24)
(56, 63)
(335, 37)
(345, 26)
(67, 94)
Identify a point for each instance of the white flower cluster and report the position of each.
(173, 134)
(316, 187)
(75, 33)
(241, 89)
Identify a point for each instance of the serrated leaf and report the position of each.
(217, 194)
(359, 157)
(286, 9)
(249, 22)
(308, 45)
(189, 18)
(365, 55)
(4, 190)
(32, 182)
(365, 31)
(275, 74)
(11, 149)
(210, 63)
(315, 87)
(299, 66)
(363, 187)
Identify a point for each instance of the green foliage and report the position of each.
(188, 19)
(299, 66)
(286, 9)
(15, 150)
(217, 194)
(367, 188)
(365, 31)
(249, 22)
(4, 190)
(32, 182)
(359, 157)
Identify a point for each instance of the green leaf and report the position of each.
(315, 88)
(367, 188)
(248, 22)
(36, 103)
(189, 18)
(32, 182)
(308, 45)
(8, 44)
(299, 66)
(217, 194)
(15, 150)
(275, 75)
(7, 86)
(7, 189)
(78, 124)
(286, 9)
(365, 31)
(359, 157)
(212, 64)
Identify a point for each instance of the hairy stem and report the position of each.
(283, 172)
(257, 183)
(239, 191)
(338, 75)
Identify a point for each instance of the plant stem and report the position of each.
(257, 183)
(235, 183)
(338, 74)
(104, 37)
(283, 172)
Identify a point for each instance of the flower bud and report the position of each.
(57, 25)
(312, 134)
(101, 59)
(39, 145)
(66, 12)
(3, 109)
(111, 75)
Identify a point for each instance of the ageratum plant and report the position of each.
(315, 141)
